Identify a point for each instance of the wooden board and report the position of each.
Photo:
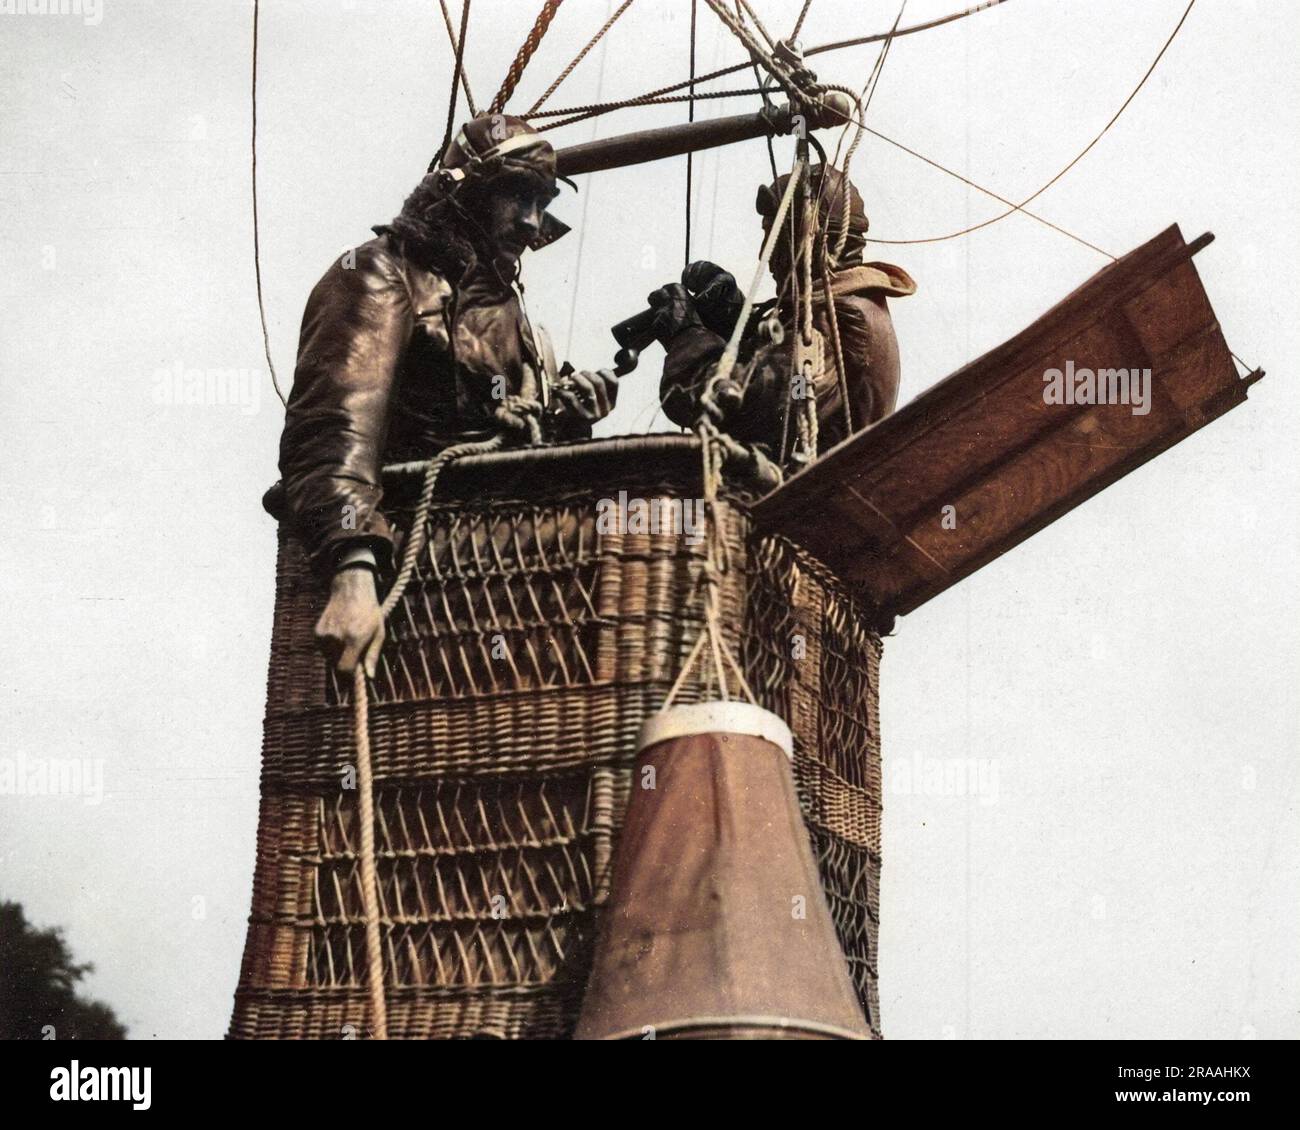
(987, 443)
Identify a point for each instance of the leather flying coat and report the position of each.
(394, 364)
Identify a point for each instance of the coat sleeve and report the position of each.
(357, 323)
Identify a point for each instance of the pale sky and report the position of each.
(1127, 679)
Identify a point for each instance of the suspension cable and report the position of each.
(758, 24)
(877, 38)
(609, 23)
(864, 104)
(526, 51)
(690, 117)
(586, 204)
(1013, 207)
(455, 50)
(597, 109)
(767, 99)
(912, 30)
(756, 50)
(455, 79)
(1034, 196)
(798, 24)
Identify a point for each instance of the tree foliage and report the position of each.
(38, 986)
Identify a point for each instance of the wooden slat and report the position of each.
(985, 441)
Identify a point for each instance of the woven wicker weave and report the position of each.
(519, 666)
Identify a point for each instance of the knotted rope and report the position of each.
(519, 416)
(713, 450)
(529, 46)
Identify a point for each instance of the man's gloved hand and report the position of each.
(588, 396)
(717, 297)
(676, 311)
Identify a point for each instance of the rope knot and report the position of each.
(521, 415)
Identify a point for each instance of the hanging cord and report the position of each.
(1013, 207)
(864, 104)
(1034, 196)
(455, 79)
(456, 41)
(526, 51)
(716, 565)
(257, 242)
(519, 416)
(690, 157)
(575, 289)
(609, 23)
(912, 30)
(767, 105)
(728, 360)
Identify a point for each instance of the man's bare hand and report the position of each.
(588, 396)
(351, 628)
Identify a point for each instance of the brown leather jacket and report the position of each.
(394, 364)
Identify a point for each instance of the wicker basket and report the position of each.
(519, 666)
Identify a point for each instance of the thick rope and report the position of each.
(609, 23)
(526, 51)
(517, 415)
(369, 871)
(713, 452)
(456, 41)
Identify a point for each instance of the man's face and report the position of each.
(513, 209)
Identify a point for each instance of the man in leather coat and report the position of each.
(409, 344)
(753, 404)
